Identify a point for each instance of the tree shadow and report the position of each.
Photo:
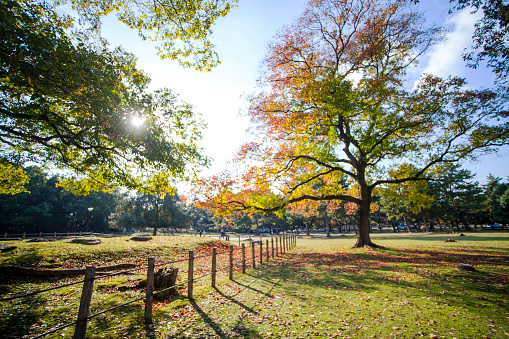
(384, 269)
(235, 301)
(17, 320)
(211, 323)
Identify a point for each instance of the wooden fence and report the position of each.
(24, 235)
(276, 247)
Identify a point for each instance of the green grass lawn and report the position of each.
(321, 289)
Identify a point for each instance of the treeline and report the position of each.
(48, 208)
(453, 199)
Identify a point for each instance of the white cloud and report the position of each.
(446, 59)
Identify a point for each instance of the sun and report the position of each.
(137, 121)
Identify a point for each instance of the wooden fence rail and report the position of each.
(80, 329)
(24, 235)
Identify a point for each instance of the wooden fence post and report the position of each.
(230, 270)
(272, 245)
(281, 244)
(253, 253)
(24, 234)
(40, 235)
(261, 252)
(267, 250)
(5, 235)
(243, 259)
(68, 233)
(214, 254)
(149, 290)
(239, 239)
(190, 275)
(80, 331)
(276, 248)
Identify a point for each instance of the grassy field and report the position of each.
(321, 289)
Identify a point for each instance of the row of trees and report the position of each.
(452, 199)
(49, 208)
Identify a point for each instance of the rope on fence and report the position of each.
(40, 291)
(172, 262)
(55, 330)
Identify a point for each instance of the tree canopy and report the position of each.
(182, 28)
(336, 106)
(69, 101)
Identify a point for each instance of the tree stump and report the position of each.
(141, 238)
(43, 239)
(466, 268)
(85, 241)
(165, 277)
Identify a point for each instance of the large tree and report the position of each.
(334, 104)
(68, 100)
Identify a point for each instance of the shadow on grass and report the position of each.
(213, 325)
(418, 272)
(433, 237)
(17, 320)
(235, 301)
(30, 258)
(267, 294)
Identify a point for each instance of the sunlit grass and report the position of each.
(323, 288)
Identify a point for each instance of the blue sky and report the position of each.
(241, 39)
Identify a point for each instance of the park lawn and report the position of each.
(321, 289)
(37, 314)
(324, 288)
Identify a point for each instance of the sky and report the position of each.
(241, 39)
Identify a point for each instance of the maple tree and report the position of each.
(335, 105)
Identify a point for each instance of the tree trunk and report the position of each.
(363, 227)
(308, 230)
(407, 225)
(363, 238)
(258, 226)
(327, 225)
(154, 233)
